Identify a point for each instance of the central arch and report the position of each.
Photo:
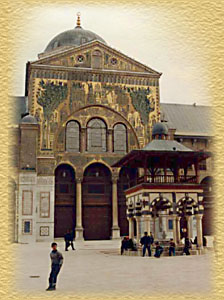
(97, 202)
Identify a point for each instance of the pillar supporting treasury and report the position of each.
(154, 227)
(199, 230)
(178, 229)
(131, 227)
(115, 227)
(79, 228)
(174, 229)
(138, 228)
(189, 227)
(146, 219)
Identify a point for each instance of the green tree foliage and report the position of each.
(50, 96)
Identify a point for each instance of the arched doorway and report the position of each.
(207, 220)
(65, 195)
(127, 179)
(97, 202)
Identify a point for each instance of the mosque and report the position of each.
(87, 107)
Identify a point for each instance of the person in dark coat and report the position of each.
(124, 245)
(69, 237)
(172, 248)
(132, 245)
(146, 242)
(187, 246)
(56, 263)
(158, 251)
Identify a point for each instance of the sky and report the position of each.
(150, 34)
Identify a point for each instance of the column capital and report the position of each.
(199, 216)
(79, 179)
(114, 178)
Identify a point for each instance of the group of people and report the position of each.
(148, 240)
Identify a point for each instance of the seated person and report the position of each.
(131, 245)
(159, 250)
(124, 245)
(187, 246)
(172, 248)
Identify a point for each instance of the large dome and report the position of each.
(74, 37)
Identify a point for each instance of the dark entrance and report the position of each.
(65, 195)
(97, 203)
(127, 178)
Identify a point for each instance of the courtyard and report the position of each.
(97, 268)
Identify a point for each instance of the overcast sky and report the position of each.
(152, 35)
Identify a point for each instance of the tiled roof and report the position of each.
(191, 120)
(165, 145)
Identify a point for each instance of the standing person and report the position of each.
(172, 248)
(159, 250)
(71, 238)
(56, 263)
(146, 243)
(187, 246)
(67, 238)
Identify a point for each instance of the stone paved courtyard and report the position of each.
(97, 268)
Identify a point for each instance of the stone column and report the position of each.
(83, 140)
(174, 229)
(115, 227)
(138, 225)
(131, 228)
(110, 140)
(199, 230)
(189, 227)
(79, 228)
(146, 219)
(178, 229)
(154, 221)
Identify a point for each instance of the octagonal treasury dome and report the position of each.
(73, 37)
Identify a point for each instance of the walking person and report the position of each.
(159, 250)
(56, 263)
(146, 242)
(67, 240)
(71, 238)
(172, 248)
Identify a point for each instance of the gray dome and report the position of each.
(159, 128)
(28, 119)
(74, 37)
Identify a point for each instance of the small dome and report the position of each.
(28, 119)
(74, 37)
(159, 129)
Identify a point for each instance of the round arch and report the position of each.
(75, 115)
(65, 199)
(97, 202)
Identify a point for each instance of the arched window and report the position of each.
(96, 132)
(120, 138)
(72, 136)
